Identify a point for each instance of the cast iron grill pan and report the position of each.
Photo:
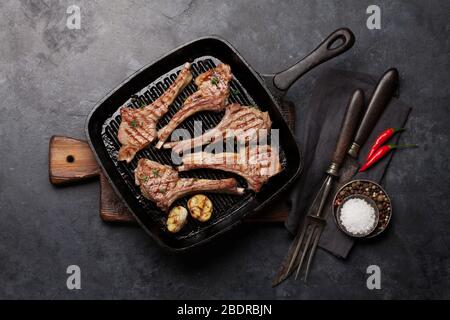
(147, 84)
(223, 204)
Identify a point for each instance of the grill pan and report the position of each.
(250, 88)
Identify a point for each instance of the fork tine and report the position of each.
(297, 247)
(306, 225)
(312, 251)
(305, 250)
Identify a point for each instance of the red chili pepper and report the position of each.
(382, 138)
(381, 152)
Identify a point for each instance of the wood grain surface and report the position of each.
(71, 160)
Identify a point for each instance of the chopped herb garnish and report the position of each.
(134, 123)
(162, 189)
(144, 178)
(155, 172)
(235, 91)
(215, 81)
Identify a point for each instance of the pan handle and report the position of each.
(338, 42)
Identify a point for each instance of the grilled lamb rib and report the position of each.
(138, 127)
(161, 184)
(212, 95)
(256, 164)
(246, 120)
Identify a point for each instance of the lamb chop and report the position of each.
(247, 121)
(138, 127)
(212, 95)
(161, 184)
(256, 164)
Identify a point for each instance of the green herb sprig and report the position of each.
(215, 81)
(134, 123)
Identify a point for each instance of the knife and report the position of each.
(386, 88)
(314, 220)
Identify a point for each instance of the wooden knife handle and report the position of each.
(351, 120)
(70, 160)
(382, 95)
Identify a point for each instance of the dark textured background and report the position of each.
(50, 77)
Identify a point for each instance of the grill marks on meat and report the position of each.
(242, 121)
(212, 95)
(138, 127)
(161, 184)
(256, 164)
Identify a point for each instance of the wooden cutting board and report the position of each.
(71, 161)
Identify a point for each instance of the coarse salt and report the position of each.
(357, 216)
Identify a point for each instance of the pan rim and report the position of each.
(252, 207)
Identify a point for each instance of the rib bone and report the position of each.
(212, 95)
(161, 184)
(256, 164)
(242, 120)
(138, 127)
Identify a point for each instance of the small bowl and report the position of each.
(370, 202)
(385, 214)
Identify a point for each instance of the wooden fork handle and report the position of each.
(351, 120)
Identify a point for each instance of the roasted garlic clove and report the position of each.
(177, 219)
(200, 207)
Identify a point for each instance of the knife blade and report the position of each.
(382, 95)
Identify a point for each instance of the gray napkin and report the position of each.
(317, 134)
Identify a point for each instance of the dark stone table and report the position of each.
(50, 78)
